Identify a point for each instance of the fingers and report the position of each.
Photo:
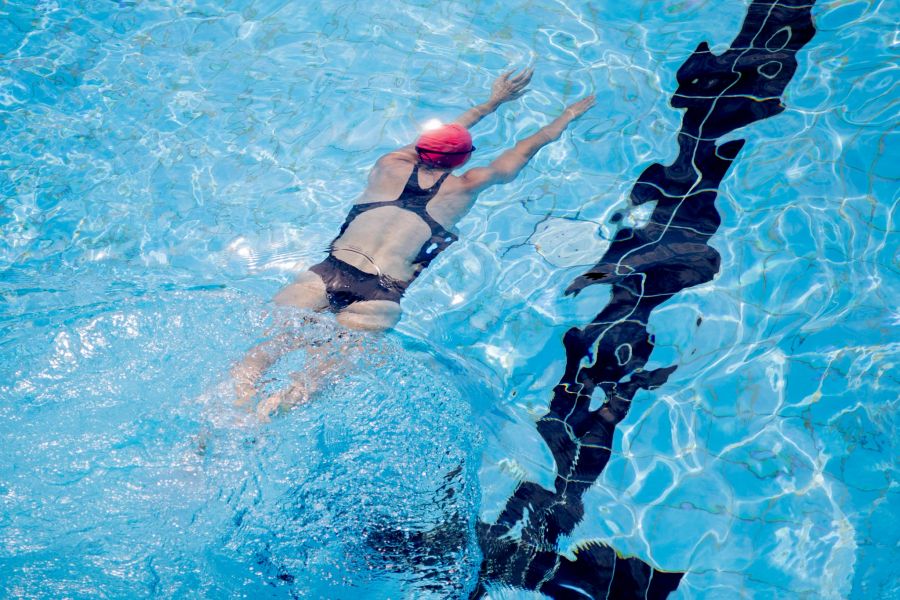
(576, 109)
(586, 102)
(523, 78)
(527, 78)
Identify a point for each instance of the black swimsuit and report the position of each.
(345, 284)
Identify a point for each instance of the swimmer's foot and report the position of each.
(297, 393)
(245, 380)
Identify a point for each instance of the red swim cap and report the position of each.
(446, 147)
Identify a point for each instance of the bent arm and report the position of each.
(505, 168)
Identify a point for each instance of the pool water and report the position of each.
(167, 166)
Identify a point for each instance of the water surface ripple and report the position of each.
(165, 166)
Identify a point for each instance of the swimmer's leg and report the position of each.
(328, 360)
(370, 315)
(257, 360)
(307, 292)
(295, 394)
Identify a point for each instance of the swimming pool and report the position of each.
(166, 165)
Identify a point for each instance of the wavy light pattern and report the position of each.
(163, 167)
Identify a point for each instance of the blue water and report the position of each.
(164, 169)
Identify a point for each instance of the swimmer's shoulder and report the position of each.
(476, 179)
(391, 166)
(402, 157)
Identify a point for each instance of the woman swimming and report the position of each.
(401, 222)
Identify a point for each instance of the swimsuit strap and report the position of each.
(415, 199)
(363, 254)
(412, 182)
(412, 187)
(441, 179)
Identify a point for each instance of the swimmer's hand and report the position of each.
(504, 89)
(573, 111)
(507, 87)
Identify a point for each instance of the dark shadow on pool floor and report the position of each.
(645, 267)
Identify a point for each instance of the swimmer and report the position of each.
(402, 221)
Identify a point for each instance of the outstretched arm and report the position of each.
(505, 88)
(505, 168)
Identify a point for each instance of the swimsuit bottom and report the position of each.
(345, 284)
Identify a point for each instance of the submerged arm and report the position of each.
(505, 168)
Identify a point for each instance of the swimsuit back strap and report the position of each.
(412, 182)
(440, 181)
